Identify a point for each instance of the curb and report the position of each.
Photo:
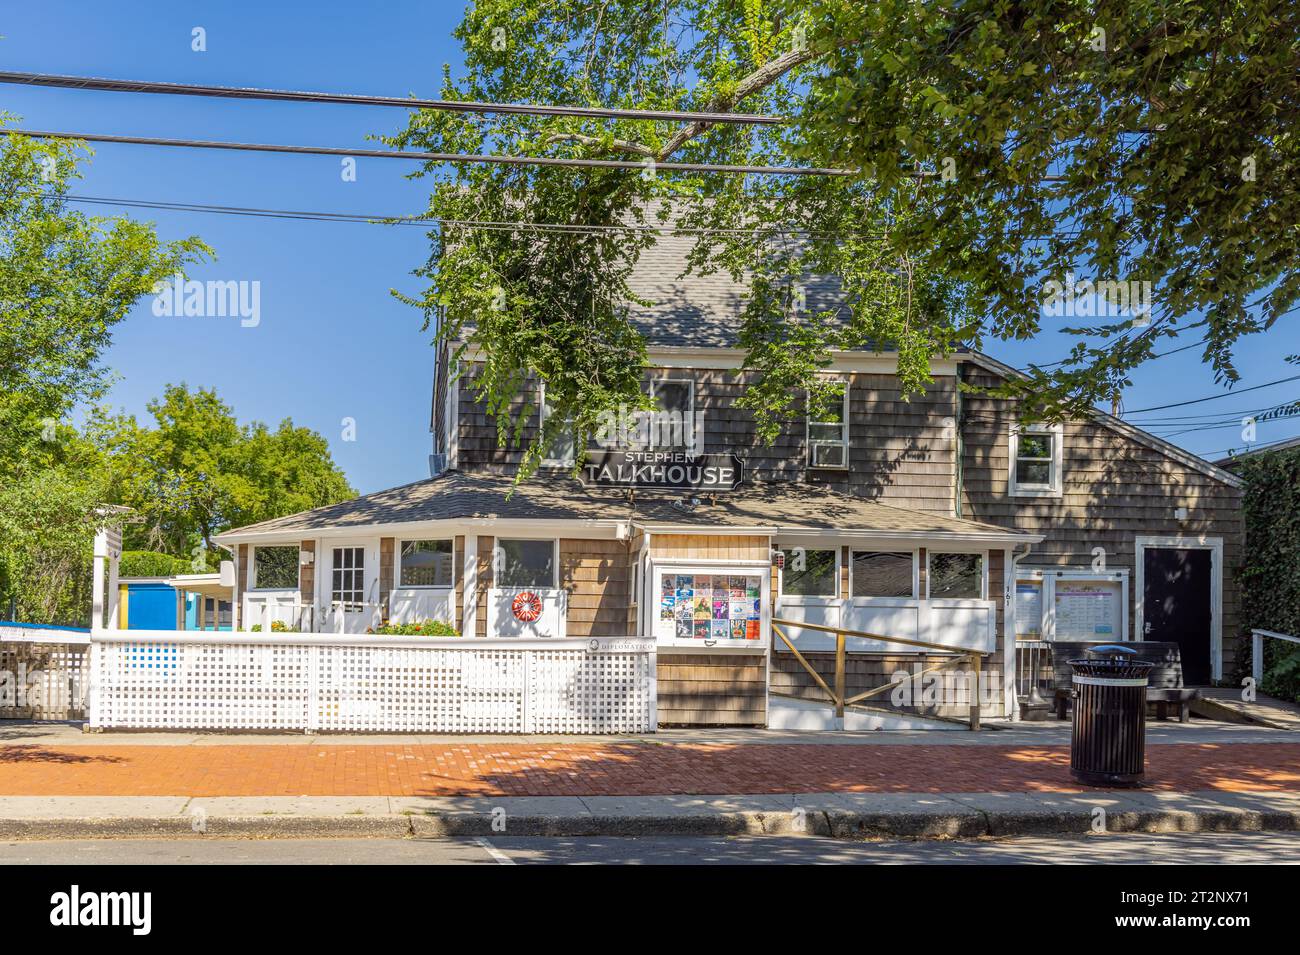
(827, 823)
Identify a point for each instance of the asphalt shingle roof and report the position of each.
(456, 495)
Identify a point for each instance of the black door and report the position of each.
(1176, 587)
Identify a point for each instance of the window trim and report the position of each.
(252, 567)
(497, 562)
(542, 414)
(402, 541)
(783, 595)
(983, 555)
(688, 424)
(916, 571)
(821, 442)
(1053, 488)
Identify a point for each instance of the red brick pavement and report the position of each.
(475, 769)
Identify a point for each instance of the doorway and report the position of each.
(1179, 590)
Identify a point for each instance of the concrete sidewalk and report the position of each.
(842, 815)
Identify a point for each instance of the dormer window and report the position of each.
(1034, 456)
(828, 426)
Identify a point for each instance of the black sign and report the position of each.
(666, 470)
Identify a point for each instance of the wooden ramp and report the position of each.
(793, 713)
(1225, 703)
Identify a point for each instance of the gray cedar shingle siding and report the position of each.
(900, 452)
(1114, 490)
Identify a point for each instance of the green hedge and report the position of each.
(1270, 576)
(151, 563)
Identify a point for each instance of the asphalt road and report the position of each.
(1178, 849)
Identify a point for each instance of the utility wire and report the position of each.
(1228, 394)
(359, 99)
(435, 157)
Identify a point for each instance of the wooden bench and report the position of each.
(1164, 684)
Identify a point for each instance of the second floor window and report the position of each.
(673, 424)
(560, 451)
(828, 426)
(1035, 459)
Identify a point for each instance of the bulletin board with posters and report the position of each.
(704, 607)
(1072, 605)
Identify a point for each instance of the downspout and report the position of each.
(958, 451)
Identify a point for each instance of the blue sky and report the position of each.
(332, 342)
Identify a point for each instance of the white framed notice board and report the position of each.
(1072, 605)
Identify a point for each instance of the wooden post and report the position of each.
(839, 673)
(975, 694)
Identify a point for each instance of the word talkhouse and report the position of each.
(664, 469)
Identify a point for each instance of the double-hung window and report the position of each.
(828, 425)
(1034, 455)
(672, 424)
(559, 451)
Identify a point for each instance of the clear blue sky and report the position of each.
(332, 342)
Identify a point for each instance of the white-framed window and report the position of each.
(828, 427)
(560, 452)
(275, 568)
(527, 562)
(348, 576)
(810, 572)
(955, 576)
(1034, 456)
(672, 425)
(882, 574)
(426, 563)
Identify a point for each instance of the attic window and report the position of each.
(1034, 455)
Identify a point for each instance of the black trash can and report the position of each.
(1108, 743)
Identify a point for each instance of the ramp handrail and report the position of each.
(837, 695)
(1257, 650)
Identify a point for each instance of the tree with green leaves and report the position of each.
(195, 470)
(66, 280)
(991, 147)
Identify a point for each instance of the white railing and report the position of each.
(324, 683)
(1257, 650)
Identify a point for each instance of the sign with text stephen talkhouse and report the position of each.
(666, 470)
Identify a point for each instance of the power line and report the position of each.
(360, 99)
(1229, 394)
(503, 225)
(435, 157)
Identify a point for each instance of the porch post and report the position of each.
(114, 589)
(1010, 705)
(469, 587)
(97, 584)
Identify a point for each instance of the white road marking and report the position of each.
(500, 857)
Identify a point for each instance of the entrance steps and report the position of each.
(1225, 703)
(791, 713)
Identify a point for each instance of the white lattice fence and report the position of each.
(373, 684)
(42, 680)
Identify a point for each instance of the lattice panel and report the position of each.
(371, 689)
(201, 686)
(44, 681)
(589, 692)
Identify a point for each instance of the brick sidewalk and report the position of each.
(584, 769)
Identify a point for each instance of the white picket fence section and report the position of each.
(363, 684)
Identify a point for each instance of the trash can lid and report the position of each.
(1112, 648)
